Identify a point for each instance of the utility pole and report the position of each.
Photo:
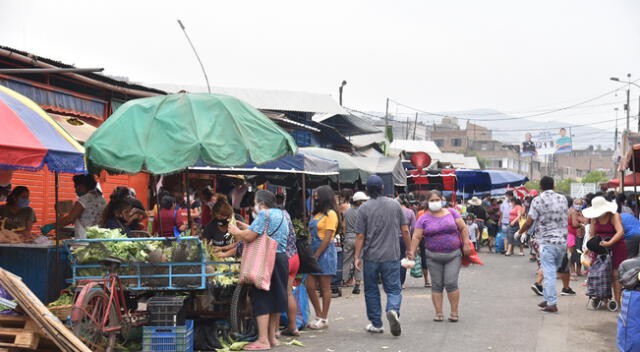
(408, 129)
(615, 137)
(386, 122)
(628, 107)
(344, 83)
(415, 126)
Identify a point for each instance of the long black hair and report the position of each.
(113, 208)
(326, 201)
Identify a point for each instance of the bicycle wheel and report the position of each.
(87, 315)
(242, 320)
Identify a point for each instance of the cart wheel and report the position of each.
(242, 320)
(87, 313)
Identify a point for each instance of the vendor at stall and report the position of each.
(16, 215)
(87, 211)
(117, 216)
(170, 218)
(216, 232)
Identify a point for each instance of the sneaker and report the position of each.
(356, 290)
(567, 292)
(550, 309)
(537, 288)
(394, 323)
(542, 304)
(372, 329)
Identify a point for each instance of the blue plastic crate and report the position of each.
(168, 338)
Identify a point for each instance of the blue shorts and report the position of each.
(328, 259)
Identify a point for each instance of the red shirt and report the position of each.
(168, 220)
(205, 216)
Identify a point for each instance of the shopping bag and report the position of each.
(416, 271)
(628, 338)
(472, 258)
(500, 242)
(303, 311)
(485, 234)
(258, 260)
(308, 263)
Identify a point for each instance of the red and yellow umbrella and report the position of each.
(31, 138)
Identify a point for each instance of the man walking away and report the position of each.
(377, 240)
(349, 244)
(550, 213)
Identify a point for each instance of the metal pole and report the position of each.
(186, 186)
(304, 198)
(627, 107)
(386, 115)
(158, 209)
(197, 56)
(408, 128)
(57, 199)
(639, 114)
(49, 70)
(415, 126)
(635, 181)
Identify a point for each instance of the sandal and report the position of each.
(454, 318)
(256, 347)
(319, 324)
(439, 318)
(288, 332)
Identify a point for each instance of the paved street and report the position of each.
(498, 313)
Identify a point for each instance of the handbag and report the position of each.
(473, 256)
(308, 263)
(258, 259)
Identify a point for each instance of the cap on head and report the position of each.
(359, 197)
(374, 183)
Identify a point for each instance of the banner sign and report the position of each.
(546, 143)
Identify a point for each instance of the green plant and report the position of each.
(564, 186)
(595, 177)
(531, 185)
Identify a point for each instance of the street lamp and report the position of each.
(626, 106)
(344, 83)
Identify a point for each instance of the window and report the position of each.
(439, 142)
(456, 142)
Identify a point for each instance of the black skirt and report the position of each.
(274, 300)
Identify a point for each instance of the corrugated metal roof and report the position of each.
(412, 146)
(271, 99)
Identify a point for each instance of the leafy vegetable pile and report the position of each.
(127, 251)
(65, 299)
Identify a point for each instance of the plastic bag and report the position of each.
(5, 294)
(302, 303)
(416, 271)
(485, 234)
(500, 242)
(628, 338)
(472, 258)
(629, 270)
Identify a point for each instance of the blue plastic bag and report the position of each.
(302, 302)
(500, 242)
(629, 322)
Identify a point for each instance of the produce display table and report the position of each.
(36, 265)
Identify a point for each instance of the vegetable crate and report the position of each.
(159, 263)
(168, 338)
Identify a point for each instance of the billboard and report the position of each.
(546, 142)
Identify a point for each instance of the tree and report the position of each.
(595, 177)
(564, 186)
(531, 185)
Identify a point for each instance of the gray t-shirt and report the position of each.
(379, 220)
(550, 212)
(350, 221)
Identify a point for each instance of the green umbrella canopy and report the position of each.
(166, 134)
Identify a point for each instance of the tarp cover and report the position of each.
(487, 182)
(303, 162)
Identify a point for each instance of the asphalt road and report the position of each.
(498, 312)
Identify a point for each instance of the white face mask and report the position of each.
(435, 206)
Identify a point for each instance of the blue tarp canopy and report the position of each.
(303, 162)
(487, 182)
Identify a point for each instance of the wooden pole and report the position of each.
(186, 186)
(56, 271)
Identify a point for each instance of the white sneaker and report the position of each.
(372, 329)
(319, 324)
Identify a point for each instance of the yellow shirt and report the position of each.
(328, 222)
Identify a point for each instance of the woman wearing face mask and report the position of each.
(87, 211)
(575, 237)
(444, 233)
(516, 213)
(216, 232)
(116, 216)
(16, 214)
(268, 305)
(323, 227)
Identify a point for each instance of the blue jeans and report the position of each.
(390, 274)
(551, 256)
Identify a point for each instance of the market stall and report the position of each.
(487, 182)
(33, 140)
(171, 134)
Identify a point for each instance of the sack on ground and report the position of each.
(302, 303)
(500, 242)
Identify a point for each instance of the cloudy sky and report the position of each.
(515, 56)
